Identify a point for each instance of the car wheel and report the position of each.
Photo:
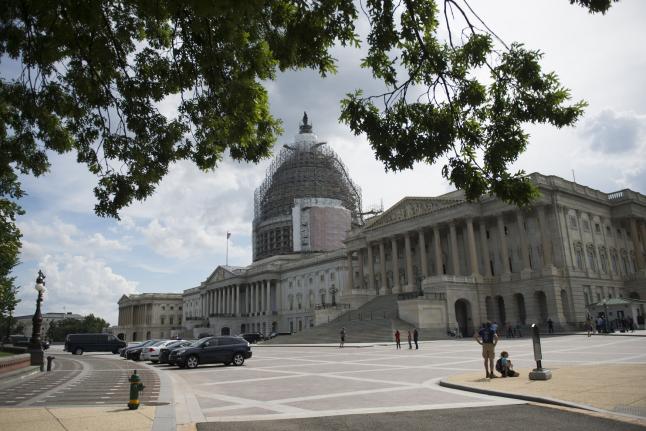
(192, 361)
(78, 351)
(238, 359)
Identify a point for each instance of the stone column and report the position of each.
(382, 267)
(263, 304)
(238, 301)
(361, 275)
(247, 298)
(634, 236)
(371, 269)
(455, 261)
(268, 307)
(409, 263)
(395, 259)
(485, 248)
(438, 250)
(545, 237)
(350, 274)
(504, 251)
(524, 244)
(643, 231)
(471, 241)
(422, 253)
(256, 305)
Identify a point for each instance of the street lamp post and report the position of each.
(36, 347)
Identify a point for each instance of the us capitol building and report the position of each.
(443, 262)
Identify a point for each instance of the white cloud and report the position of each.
(80, 284)
(613, 132)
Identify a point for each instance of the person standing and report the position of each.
(342, 334)
(410, 340)
(550, 325)
(588, 325)
(488, 339)
(415, 338)
(398, 339)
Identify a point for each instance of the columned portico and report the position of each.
(422, 253)
(455, 260)
(439, 270)
(382, 267)
(410, 282)
(504, 251)
(371, 270)
(471, 240)
(395, 264)
(486, 258)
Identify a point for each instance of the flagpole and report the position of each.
(227, 260)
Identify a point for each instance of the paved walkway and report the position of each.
(76, 419)
(611, 387)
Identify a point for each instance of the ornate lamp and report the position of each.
(36, 348)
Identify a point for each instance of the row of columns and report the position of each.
(637, 228)
(472, 251)
(227, 300)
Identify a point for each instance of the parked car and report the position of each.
(253, 337)
(124, 350)
(25, 341)
(151, 353)
(134, 352)
(79, 343)
(164, 352)
(213, 350)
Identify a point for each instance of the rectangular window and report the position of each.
(170, 320)
(572, 219)
(162, 320)
(597, 228)
(586, 225)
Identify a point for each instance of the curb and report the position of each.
(530, 398)
(13, 376)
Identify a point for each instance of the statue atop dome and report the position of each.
(305, 127)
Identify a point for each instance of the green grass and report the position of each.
(3, 354)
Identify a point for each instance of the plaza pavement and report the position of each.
(318, 385)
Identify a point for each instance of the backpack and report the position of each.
(499, 365)
(487, 335)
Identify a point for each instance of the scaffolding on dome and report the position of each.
(300, 172)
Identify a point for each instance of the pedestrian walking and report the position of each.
(588, 326)
(510, 331)
(415, 338)
(550, 325)
(488, 339)
(410, 340)
(398, 339)
(342, 335)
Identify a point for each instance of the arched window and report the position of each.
(591, 258)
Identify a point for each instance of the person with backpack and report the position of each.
(488, 339)
(504, 366)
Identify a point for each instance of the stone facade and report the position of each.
(488, 260)
(150, 315)
(277, 294)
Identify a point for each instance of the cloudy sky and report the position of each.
(175, 239)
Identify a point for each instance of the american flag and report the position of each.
(228, 235)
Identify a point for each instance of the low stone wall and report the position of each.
(14, 362)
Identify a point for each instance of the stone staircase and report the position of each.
(373, 322)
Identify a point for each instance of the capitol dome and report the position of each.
(308, 184)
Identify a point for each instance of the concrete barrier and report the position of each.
(14, 362)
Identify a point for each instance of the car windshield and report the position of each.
(159, 343)
(173, 343)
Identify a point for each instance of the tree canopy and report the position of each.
(58, 330)
(92, 76)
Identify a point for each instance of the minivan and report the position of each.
(79, 343)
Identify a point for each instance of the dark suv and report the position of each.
(212, 350)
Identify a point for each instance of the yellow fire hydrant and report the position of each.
(135, 387)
